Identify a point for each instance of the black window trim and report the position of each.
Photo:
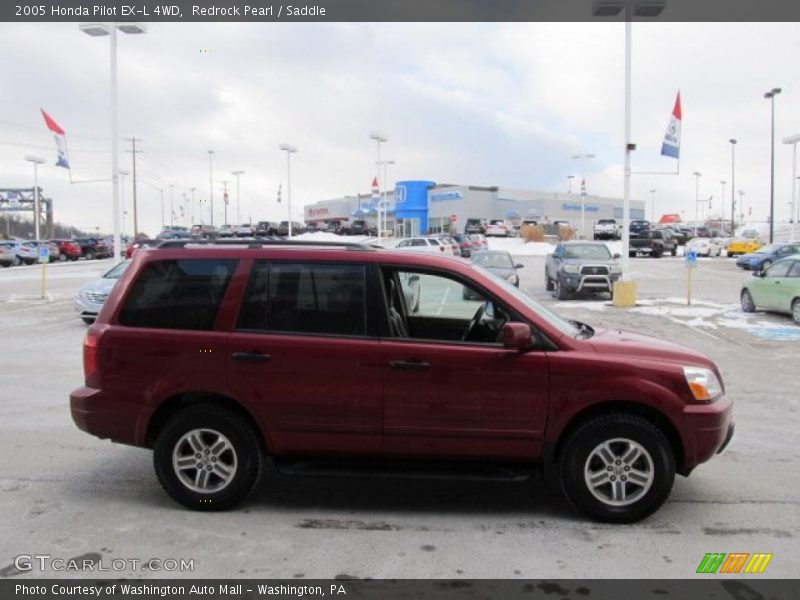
(370, 331)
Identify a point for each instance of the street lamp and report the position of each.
(378, 138)
(733, 185)
(36, 160)
(211, 184)
(110, 29)
(793, 139)
(289, 149)
(582, 158)
(238, 217)
(122, 175)
(652, 206)
(385, 164)
(697, 175)
(639, 8)
(770, 95)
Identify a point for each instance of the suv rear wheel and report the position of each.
(207, 458)
(617, 468)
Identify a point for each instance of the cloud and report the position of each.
(489, 104)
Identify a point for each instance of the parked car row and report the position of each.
(26, 252)
(457, 244)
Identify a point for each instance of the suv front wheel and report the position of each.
(617, 468)
(207, 458)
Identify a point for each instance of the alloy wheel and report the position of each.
(619, 472)
(204, 461)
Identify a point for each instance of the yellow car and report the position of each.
(743, 246)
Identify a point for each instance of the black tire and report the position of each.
(87, 320)
(548, 283)
(89, 255)
(74, 258)
(245, 456)
(657, 253)
(622, 432)
(746, 300)
(6, 264)
(675, 251)
(62, 257)
(561, 292)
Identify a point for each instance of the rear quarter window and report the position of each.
(178, 294)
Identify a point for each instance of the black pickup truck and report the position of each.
(652, 242)
(92, 248)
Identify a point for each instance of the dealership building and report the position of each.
(416, 207)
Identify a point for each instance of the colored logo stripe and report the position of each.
(711, 562)
(758, 562)
(734, 562)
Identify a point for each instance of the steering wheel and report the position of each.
(473, 324)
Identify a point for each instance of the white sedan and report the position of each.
(704, 246)
(425, 244)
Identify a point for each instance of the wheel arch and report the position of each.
(638, 409)
(174, 404)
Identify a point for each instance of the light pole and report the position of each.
(793, 139)
(171, 206)
(122, 174)
(569, 181)
(192, 190)
(36, 160)
(211, 184)
(610, 8)
(652, 206)
(385, 164)
(741, 207)
(697, 175)
(733, 185)
(110, 29)
(238, 207)
(582, 158)
(289, 149)
(770, 95)
(378, 138)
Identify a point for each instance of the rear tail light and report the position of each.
(441, 248)
(89, 355)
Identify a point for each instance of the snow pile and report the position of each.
(518, 247)
(325, 236)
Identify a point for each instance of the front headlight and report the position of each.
(616, 269)
(703, 383)
(570, 268)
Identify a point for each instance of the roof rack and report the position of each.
(260, 243)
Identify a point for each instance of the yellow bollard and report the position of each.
(624, 294)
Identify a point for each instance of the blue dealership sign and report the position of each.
(691, 259)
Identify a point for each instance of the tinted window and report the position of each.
(306, 298)
(795, 272)
(178, 294)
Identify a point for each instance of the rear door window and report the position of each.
(178, 294)
(326, 299)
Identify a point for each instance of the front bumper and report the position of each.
(576, 282)
(85, 308)
(706, 429)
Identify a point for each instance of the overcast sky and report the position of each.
(482, 104)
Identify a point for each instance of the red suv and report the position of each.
(68, 249)
(323, 355)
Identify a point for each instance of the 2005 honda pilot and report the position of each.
(218, 355)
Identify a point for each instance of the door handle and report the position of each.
(251, 356)
(409, 365)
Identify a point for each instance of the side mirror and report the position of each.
(517, 336)
(616, 256)
(519, 266)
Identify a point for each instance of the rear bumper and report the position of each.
(95, 413)
(707, 430)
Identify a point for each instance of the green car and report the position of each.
(777, 288)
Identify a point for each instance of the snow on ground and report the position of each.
(518, 247)
(705, 315)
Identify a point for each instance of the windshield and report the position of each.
(590, 251)
(498, 260)
(564, 326)
(116, 271)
